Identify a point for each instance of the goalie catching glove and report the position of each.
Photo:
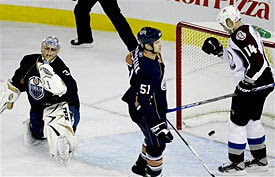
(212, 46)
(162, 133)
(51, 81)
(8, 95)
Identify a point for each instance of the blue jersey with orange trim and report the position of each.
(27, 78)
(147, 92)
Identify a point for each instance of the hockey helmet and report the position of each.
(230, 12)
(50, 43)
(148, 35)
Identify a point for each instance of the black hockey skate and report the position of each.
(140, 166)
(150, 173)
(232, 169)
(81, 44)
(257, 165)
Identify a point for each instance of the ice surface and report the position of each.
(109, 142)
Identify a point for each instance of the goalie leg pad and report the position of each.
(63, 153)
(29, 138)
(59, 132)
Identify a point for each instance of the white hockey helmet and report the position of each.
(51, 41)
(230, 12)
(50, 48)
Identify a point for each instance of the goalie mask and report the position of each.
(229, 12)
(50, 48)
(148, 35)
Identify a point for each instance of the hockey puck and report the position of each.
(211, 133)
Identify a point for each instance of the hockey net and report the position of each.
(200, 77)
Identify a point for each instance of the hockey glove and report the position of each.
(212, 46)
(244, 86)
(162, 133)
(45, 70)
(8, 95)
(51, 81)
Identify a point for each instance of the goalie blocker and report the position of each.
(8, 95)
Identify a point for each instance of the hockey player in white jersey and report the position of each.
(52, 94)
(250, 68)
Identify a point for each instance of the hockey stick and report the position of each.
(201, 102)
(217, 98)
(263, 87)
(6, 106)
(3, 108)
(191, 149)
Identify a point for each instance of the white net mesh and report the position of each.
(205, 76)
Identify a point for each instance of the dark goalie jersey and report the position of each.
(27, 78)
(147, 92)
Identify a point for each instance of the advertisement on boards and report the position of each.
(258, 12)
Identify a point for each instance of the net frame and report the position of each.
(179, 35)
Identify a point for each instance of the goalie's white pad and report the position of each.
(8, 95)
(51, 81)
(29, 140)
(59, 132)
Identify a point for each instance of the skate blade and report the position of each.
(36, 143)
(257, 169)
(237, 173)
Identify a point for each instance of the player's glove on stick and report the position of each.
(244, 86)
(162, 133)
(212, 46)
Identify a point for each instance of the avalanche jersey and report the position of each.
(27, 78)
(147, 92)
(245, 54)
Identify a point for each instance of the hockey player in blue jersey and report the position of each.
(146, 99)
(48, 82)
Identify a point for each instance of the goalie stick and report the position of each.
(191, 149)
(3, 108)
(216, 99)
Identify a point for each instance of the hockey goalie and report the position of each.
(52, 94)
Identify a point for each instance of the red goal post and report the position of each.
(193, 67)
